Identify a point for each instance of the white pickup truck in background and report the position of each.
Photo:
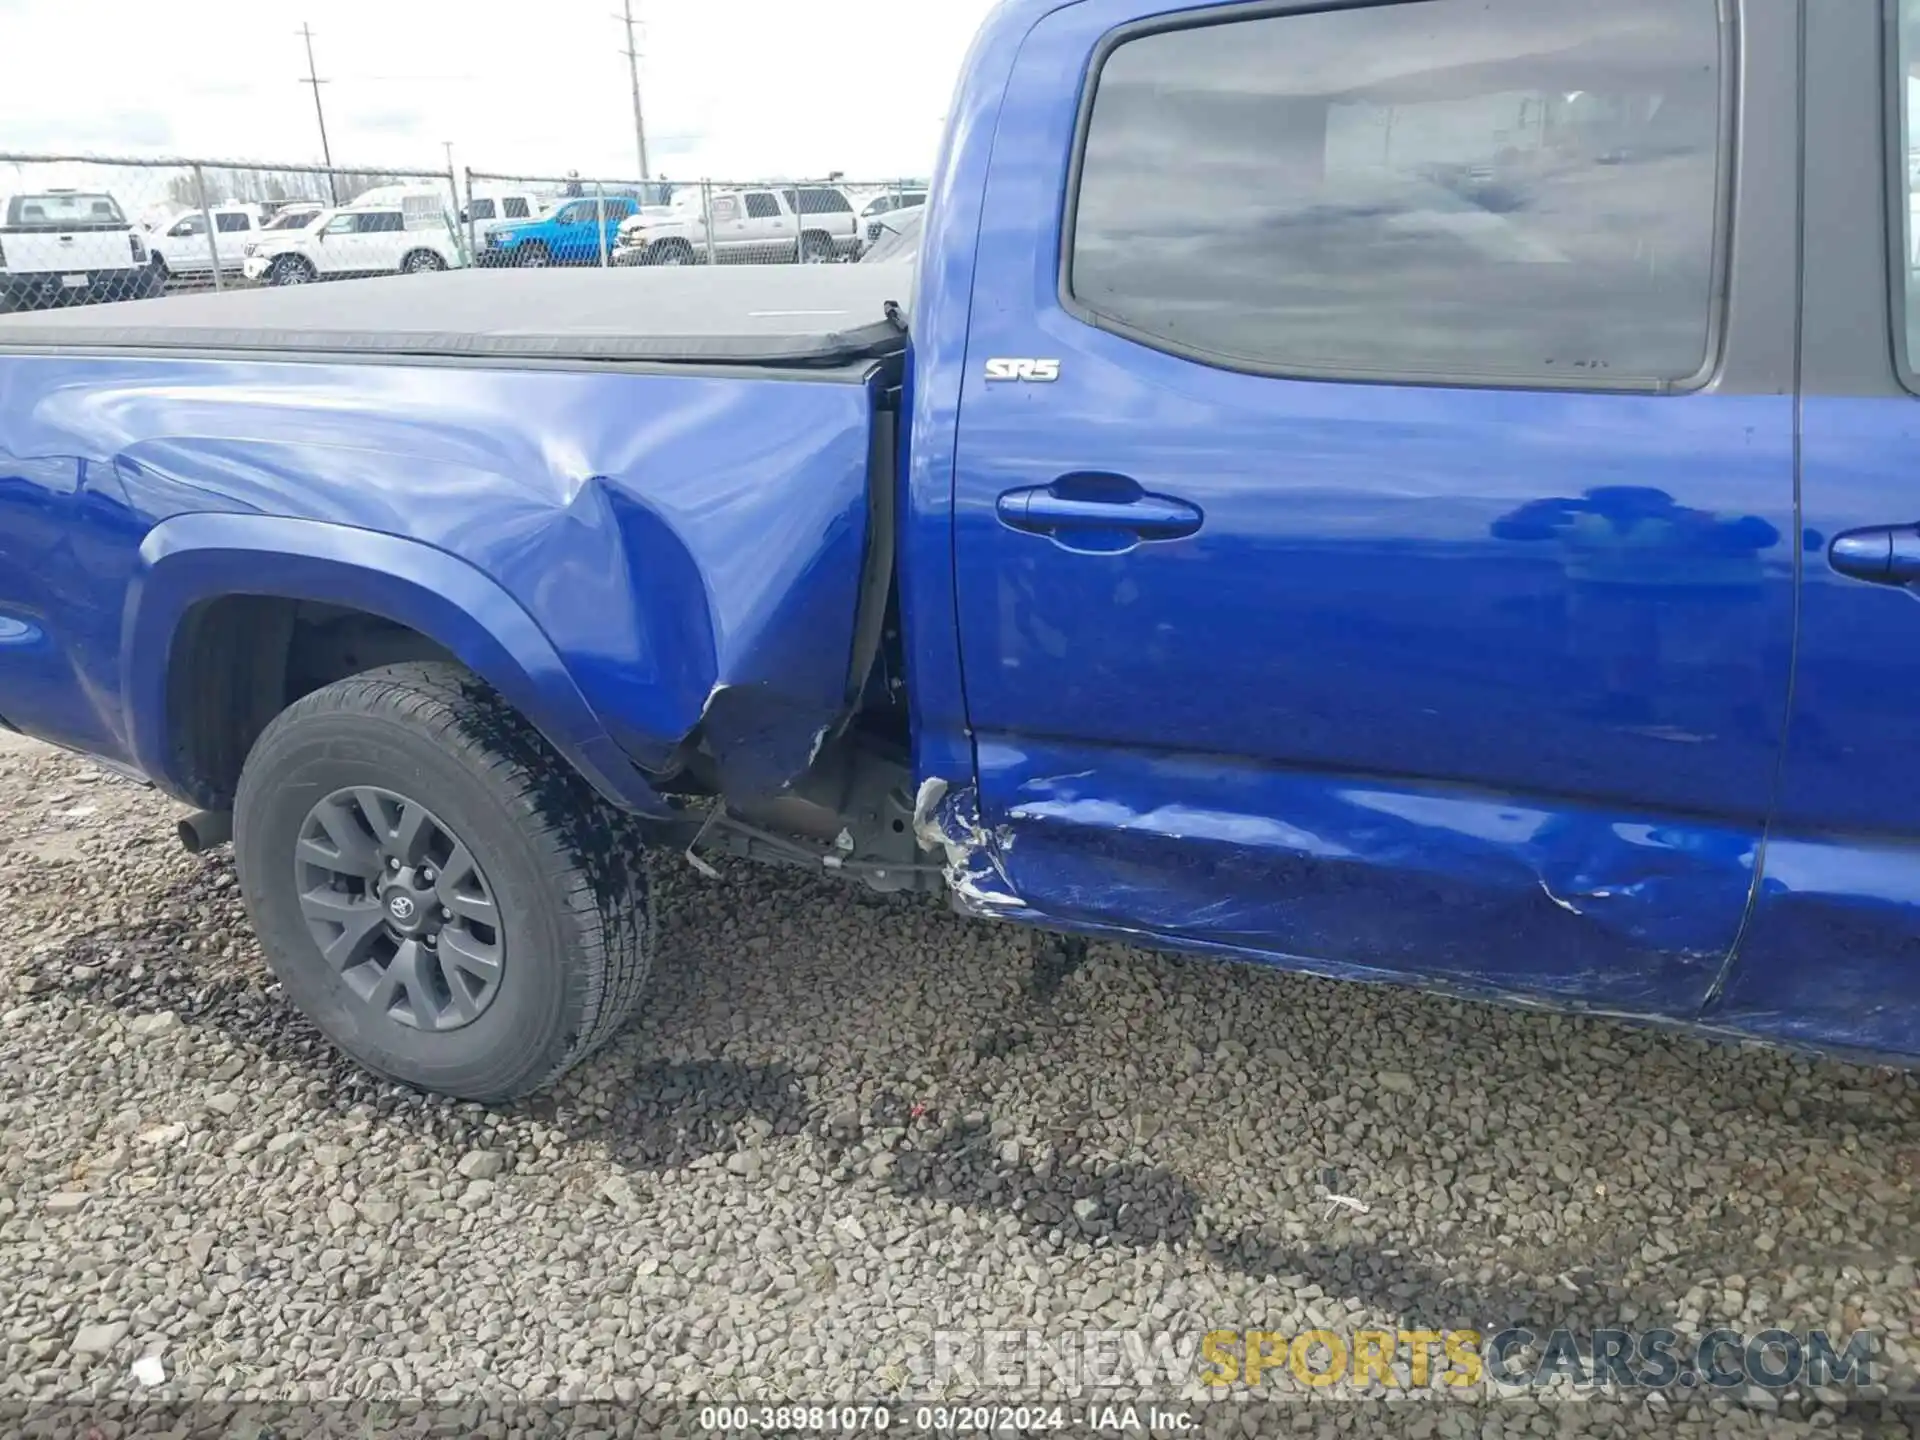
(179, 247)
(65, 247)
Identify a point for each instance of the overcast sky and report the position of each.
(734, 88)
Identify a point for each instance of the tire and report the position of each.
(533, 257)
(561, 874)
(816, 248)
(291, 270)
(421, 262)
(672, 252)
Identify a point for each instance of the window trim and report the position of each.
(1902, 286)
(1228, 12)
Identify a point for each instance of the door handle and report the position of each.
(1108, 503)
(1883, 554)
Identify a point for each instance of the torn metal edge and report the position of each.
(948, 821)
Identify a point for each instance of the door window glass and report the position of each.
(1519, 190)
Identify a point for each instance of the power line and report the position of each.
(313, 79)
(632, 53)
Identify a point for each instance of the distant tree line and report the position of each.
(268, 187)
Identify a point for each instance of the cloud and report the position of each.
(396, 122)
(140, 131)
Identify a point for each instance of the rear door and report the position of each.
(1832, 955)
(1374, 487)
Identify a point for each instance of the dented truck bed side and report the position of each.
(643, 559)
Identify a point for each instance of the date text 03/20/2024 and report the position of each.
(1118, 1419)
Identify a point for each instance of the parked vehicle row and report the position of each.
(71, 246)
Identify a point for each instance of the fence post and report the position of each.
(706, 220)
(600, 219)
(460, 242)
(473, 233)
(799, 228)
(206, 219)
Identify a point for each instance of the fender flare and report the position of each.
(195, 558)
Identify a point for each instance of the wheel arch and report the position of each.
(194, 564)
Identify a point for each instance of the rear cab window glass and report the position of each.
(517, 209)
(64, 210)
(761, 205)
(232, 222)
(1503, 191)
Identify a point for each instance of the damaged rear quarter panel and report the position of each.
(678, 536)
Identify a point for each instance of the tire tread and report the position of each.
(591, 854)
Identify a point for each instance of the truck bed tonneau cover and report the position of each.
(732, 315)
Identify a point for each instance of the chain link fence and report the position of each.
(81, 228)
(541, 220)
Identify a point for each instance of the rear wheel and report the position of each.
(440, 893)
(292, 270)
(534, 257)
(816, 248)
(422, 261)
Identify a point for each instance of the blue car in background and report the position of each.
(574, 232)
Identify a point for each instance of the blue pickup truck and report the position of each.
(574, 232)
(1405, 491)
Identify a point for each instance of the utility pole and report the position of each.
(633, 69)
(313, 79)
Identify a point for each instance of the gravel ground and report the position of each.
(845, 1123)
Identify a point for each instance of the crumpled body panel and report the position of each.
(689, 543)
